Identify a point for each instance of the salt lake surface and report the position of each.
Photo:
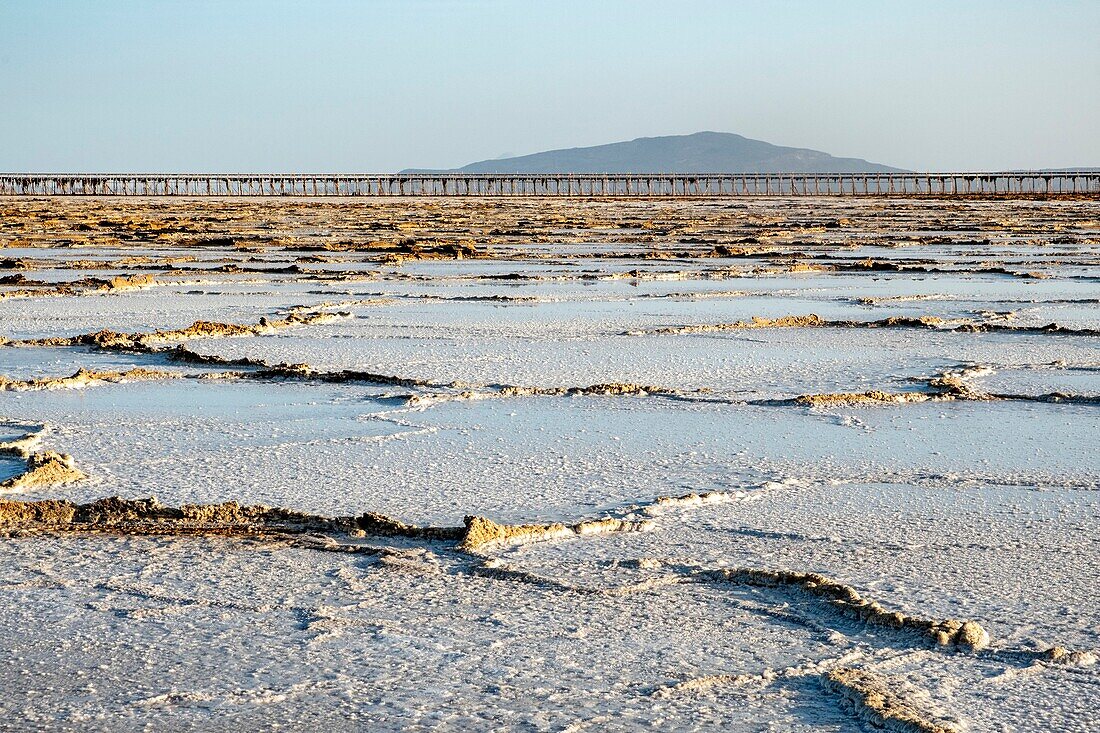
(550, 465)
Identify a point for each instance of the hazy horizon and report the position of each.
(343, 86)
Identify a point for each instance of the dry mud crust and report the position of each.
(45, 468)
(380, 525)
(858, 399)
(146, 342)
(211, 329)
(345, 376)
(148, 516)
(38, 288)
(947, 385)
(83, 378)
(306, 372)
(812, 320)
(871, 699)
(957, 392)
(483, 534)
(480, 533)
(616, 389)
(872, 265)
(966, 635)
(693, 500)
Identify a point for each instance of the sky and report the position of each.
(381, 85)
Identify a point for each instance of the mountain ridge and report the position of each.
(700, 152)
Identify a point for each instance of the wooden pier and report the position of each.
(1008, 183)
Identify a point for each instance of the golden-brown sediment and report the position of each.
(130, 282)
(872, 699)
(147, 342)
(84, 378)
(814, 235)
(212, 329)
(45, 468)
(858, 399)
(483, 534)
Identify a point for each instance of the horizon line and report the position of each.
(1084, 170)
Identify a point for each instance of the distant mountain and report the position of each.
(702, 152)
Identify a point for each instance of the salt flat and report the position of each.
(813, 464)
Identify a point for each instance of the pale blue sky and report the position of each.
(334, 85)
